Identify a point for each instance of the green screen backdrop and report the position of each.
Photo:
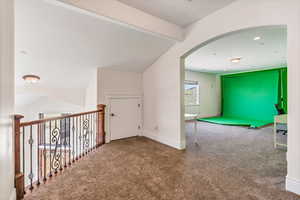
(249, 98)
(250, 95)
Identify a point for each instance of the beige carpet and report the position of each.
(220, 163)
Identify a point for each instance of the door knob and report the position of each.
(112, 114)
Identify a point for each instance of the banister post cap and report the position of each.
(100, 106)
(16, 117)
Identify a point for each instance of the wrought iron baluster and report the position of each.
(60, 146)
(83, 149)
(90, 132)
(30, 176)
(97, 129)
(80, 120)
(23, 157)
(44, 153)
(82, 136)
(77, 138)
(93, 129)
(56, 162)
(50, 146)
(65, 142)
(73, 146)
(38, 128)
(85, 134)
(69, 145)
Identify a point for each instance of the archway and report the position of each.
(204, 44)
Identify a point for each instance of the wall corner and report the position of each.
(292, 185)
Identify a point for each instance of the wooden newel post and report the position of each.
(101, 125)
(19, 176)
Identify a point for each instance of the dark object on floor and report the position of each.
(279, 109)
(281, 128)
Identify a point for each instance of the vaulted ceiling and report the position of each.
(62, 45)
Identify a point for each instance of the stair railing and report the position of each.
(44, 148)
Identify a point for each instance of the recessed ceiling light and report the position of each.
(31, 78)
(235, 60)
(257, 38)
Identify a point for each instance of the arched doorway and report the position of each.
(260, 49)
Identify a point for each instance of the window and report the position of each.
(191, 92)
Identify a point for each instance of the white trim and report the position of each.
(12, 195)
(108, 100)
(167, 141)
(292, 185)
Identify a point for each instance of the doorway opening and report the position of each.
(239, 115)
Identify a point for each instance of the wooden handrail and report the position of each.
(86, 131)
(57, 118)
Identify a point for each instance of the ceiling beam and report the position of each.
(123, 14)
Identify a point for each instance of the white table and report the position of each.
(279, 119)
(190, 116)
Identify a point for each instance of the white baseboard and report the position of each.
(159, 138)
(12, 195)
(292, 185)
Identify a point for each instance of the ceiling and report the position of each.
(268, 52)
(180, 12)
(63, 46)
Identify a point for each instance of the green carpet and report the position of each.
(236, 121)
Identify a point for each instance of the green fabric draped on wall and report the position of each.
(249, 98)
(283, 101)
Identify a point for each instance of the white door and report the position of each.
(125, 117)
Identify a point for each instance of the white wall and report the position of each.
(163, 81)
(6, 99)
(118, 83)
(74, 96)
(209, 94)
(162, 117)
(47, 105)
(91, 92)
